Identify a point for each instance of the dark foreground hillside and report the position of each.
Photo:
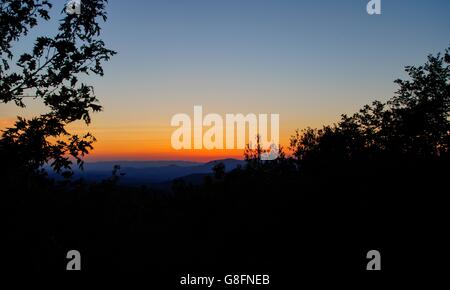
(264, 219)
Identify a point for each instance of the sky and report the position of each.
(308, 61)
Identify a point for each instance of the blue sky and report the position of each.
(329, 56)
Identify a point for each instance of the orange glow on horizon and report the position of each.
(185, 155)
(139, 143)
(149, 143)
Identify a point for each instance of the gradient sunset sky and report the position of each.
(308, 61)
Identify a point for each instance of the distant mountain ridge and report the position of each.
(105, 165)
(150, 172)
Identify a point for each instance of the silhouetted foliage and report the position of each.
(50, 72)
(414, 124)
(219, 170)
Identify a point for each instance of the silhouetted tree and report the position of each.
(219, 170)
(50, 72)
(253, 153)
(414, 123)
